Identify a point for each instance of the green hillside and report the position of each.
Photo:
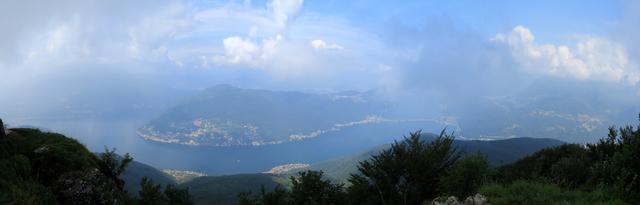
(225, 189)
(49, 168)
(136, 171)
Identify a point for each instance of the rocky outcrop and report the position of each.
(477, 199)
(2, 132)
(87, 187)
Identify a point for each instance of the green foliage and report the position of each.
(112, 166)
(177, 196)
(225, 189)
(534, 193)
(152, 194)
(279, 195)
(612, 164)
(618, 162)
(51, 154)
(308, 188)
(136, 171)
(407, 173)
(567, 165)
(466, 176)
(49, 168)
(17, 186)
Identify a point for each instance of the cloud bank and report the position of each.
(428, 63)
(591, 58)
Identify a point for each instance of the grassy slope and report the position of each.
(69, 155)
(32, 160)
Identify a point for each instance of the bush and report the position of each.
(308, 187)
(152, 194)
(466, 176)
(534, 193)
(407, 173)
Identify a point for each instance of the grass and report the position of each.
(534, 193)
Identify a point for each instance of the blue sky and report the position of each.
(548, 18)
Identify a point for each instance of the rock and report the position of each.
(3, 134)
(87, 187)
(477, 199)
(452, 200)
(41, 150)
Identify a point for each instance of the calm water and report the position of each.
(120, 134)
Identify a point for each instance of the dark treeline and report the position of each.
(414, 171)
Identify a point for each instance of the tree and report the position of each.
(151, 193)
(310, 188)
(407, 173)
(112, 166)
(466, 176)
(611, 164)
(278, 196)
(177, 196)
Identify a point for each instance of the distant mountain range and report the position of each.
(573, 112)
(225, 116)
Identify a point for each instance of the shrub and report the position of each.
(407, 173)
(534, 193)
(466, 176)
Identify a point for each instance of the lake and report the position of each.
(120, 134)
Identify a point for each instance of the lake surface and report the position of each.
(120, 134)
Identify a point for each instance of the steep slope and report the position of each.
(49, 168)
(225, 116)
(137, 170)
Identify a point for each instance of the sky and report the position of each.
(79, 51)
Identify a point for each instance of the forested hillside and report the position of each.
(48, 168)
(417, 171)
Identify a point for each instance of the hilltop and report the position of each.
(224, 115)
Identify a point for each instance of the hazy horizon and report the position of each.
(462, 62)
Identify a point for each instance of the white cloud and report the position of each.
(591, 58)
(284, 11)
(72, 32)
(256, 49)
(243, 51)
(320, 44)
